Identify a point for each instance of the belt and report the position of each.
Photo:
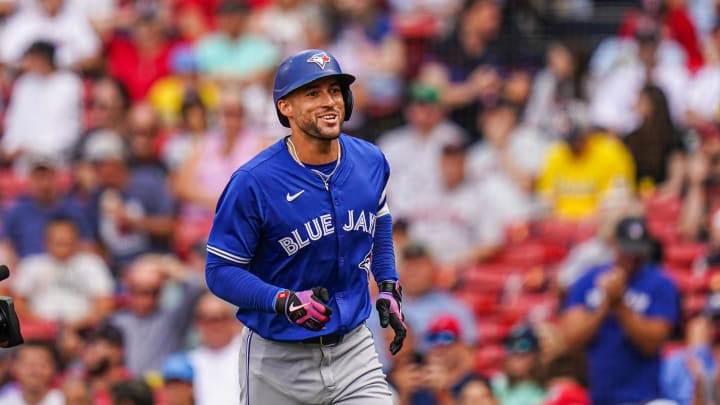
(325, 340)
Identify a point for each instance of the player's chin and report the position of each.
(329, 131)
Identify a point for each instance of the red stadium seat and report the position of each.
(489, 359)
(686, 281)
(683, 254)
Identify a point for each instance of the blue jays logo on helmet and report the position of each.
(319, 58)
(305, 67)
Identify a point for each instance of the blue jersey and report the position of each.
(281, 222)
(619, 372)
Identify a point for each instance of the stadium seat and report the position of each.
(686, 281)
(682, 254)
(489, 359)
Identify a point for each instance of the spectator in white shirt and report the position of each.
(704, 90)
(44, 114)
(34, 367)
(215, 360)
(65, 284)
(615, 95)
(53, 21)
(457, 220)
(413, 151)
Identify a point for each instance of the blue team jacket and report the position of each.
(277, 220)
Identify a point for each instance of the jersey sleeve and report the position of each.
(238, 219)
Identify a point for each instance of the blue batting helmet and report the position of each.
(305, 67)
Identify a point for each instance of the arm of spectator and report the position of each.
(22, 307)
(693, 205)
(646, 333)
(483, 80)
(186, 190)
(102, 308)
(155, 225)
(580, 324)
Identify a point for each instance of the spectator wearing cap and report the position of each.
(108, 108)
(518, 383)
(423, 301)
(141, 56)
(689, 371)
(34, 368)
(132, 210)
(233, 53)
(448, 362)
(460, 221)
(597, 250)
(178, 375)
(620, 315)
(55, 21)
(64, 285)
(25, 220)
(101, 362)
(215, 359)
(584, 171)
(42, 90)
(151, 327)
(169, 93)
(612, 103)
(415, 149)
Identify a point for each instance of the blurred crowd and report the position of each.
(555, 191)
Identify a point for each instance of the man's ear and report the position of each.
(284, 107)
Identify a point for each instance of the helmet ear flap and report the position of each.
(349, 101)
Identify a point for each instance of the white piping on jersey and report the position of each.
(324, 177)
(227, 255)
(383, 211)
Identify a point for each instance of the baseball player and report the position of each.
(296, 234)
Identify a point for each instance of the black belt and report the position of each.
(325, 340)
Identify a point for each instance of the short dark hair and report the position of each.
(135, 392)
(43, 49)
(44, 344)
(232, 7)
(62, 219)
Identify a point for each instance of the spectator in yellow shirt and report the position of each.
(167, 94)
(584, 170)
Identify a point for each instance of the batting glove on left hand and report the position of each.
(388, 305)
(305, 308)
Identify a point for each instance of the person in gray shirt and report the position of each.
(151, 329)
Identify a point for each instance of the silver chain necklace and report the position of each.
(324, 177)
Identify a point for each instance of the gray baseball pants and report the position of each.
(277, 373)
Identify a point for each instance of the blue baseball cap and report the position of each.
(177, 367)
(522, 339)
